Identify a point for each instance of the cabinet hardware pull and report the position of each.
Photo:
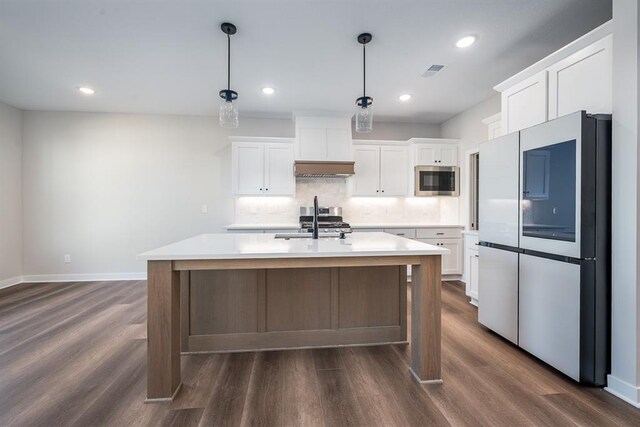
(440, 234)
(261, 189)
(477, 256)
(399, 234)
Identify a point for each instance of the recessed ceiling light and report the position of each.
(268, 90)
(86, 90)
(466, 41)
(404, 97)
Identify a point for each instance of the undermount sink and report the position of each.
(305, 235)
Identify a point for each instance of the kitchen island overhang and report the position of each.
(301, 293)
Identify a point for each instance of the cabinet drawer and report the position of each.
(439, 233)
(409, 233)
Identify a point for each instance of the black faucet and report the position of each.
(315, 217)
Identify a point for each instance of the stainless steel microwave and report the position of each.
(437, 181)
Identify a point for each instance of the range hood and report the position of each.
(323, 169)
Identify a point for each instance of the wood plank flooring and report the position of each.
(75, 354)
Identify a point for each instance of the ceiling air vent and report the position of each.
(432, 70)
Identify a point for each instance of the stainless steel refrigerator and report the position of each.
(544, 271)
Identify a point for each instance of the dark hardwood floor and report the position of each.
(75, 354)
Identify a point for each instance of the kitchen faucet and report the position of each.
(315, 217)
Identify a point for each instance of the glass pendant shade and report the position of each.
(228, 114)
(364, 119)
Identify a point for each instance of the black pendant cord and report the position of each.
(228, 62)
(364, 70)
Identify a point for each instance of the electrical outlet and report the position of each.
(67, 259)
(204, 209)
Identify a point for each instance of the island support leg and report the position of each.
(425, 319)
(163, 331)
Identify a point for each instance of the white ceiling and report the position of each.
(161, 56)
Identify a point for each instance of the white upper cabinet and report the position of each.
(582, 81)
(430, 154)
(323, 138)
(248, 173)
(262, 167)
(394, 164)
(525, 104)
(575, 77)
(366, 181)
(278, 169)
(380, 170)
(494, 126)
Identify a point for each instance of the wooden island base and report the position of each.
(266, 304)
(236, 310)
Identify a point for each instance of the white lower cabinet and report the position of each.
(472, 283)
(451, 262)
(471, 261)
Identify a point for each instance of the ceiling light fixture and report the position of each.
(364, 113)
(268, 90)
(404, 97)
(466, 41)
(228, 110)
(86, 90)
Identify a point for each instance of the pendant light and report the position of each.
(228, 110)
(364, 113)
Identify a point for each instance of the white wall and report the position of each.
(624, 380)
(397, 131)
(468, 127)
(104, 187)
(10, 194)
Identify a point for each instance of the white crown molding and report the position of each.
(580, 43)
(274, 139)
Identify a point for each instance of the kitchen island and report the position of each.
(245, 292)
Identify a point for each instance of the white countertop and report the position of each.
(407, 225)
(272, 226)
(238, 246)
(471, 232)
(295, 226)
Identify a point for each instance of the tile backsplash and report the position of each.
(356, 210)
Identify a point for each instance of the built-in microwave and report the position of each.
(437, 181)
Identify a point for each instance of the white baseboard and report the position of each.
(90, 277)
(54, 278)
(11, 281)
(623, 390)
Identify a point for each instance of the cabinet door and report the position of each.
(312, 144)
(452, 262)
(525, 104)
(248, 168)
(394, 171)
(279, 179)
(494, 129)
(472, 281)
(582, 81)
(366, 181)
(448, 156)
(427, 155)
(338, 144)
